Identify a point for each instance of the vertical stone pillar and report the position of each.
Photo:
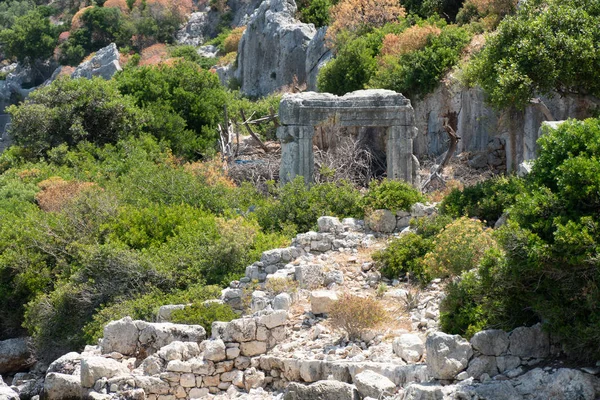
(297, 158)
(400, 153)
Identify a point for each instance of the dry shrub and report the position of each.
(230, 44)
(213, 171)
(276, 286)
(354, 15)
(64, 36)
(154, 54)
(120, 4)
(29, 173)
(56, 193)
(76, 21)
(438, 195)
(457, 248)
(256, 171)
(227, 59)
(413, 38)
(355, 315)
(348, 160)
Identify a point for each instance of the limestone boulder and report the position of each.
(15, 355)
(309, 276)
(253, 379)
(62, 387)
(563, 384)
(409, 347)
(154, 336)
(322, 390)
(330, 225)
(253, 348)
(67, 364)
(491, 342)
(321, 301)
(164, 312)
(282, 301)
(105, 63)
(447, 355)
(382, 221)
(120, 336)
(371, 384)
(529, 342)
(272, 50)
(214, 350)
(94, 368)
(482, 365)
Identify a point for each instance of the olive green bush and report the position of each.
(546, 46)
(548, 270)
(391, 195)
(204, 313)
(485, 200)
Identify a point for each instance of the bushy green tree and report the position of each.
(31, 37)
(427, 8)
(549, 270)
(12, 9)
(316, 12)
(547, 46)
(184, 88)
(73, 110)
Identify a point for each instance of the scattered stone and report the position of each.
(321, 301)
(15, 355)
(382, 221)
(282, 301)
(409, 347)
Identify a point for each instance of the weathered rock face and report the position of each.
(273, 49)
(62, 386)
(15, 355)
(317, 55)
(447, 355)
(478, 124)
(530, 342)
(6, 393)
(94, 368)
(409, 347)
(194, 31)
(104, 64)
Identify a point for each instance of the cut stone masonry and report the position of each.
(300, 113)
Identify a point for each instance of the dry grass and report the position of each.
(230, 44)
(213, 171)
(56, 193)
(154, 55)
(413, 38)
(76, 21)
(120, 4)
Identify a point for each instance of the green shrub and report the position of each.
(352, 68)
(73, 110)
(204, 314)
(404, 256)
(297, 207)
(485, 200)
(391, 195)
(145, 307)
(547, 46)
(430, 226)
(419, 72)
(315, 12)
(31, 37)
(185, 89)
(458, 247)
(548, 271)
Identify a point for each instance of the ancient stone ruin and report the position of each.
(301, 113)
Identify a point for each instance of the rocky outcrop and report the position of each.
(484, 130)
(15, 355)
(447, 355)
(317, 55)
(104, 63)
(273, 50)
(194, 30)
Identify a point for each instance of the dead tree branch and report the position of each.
(437, 173)
(246, 123)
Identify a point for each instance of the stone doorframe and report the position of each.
(300, 113)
